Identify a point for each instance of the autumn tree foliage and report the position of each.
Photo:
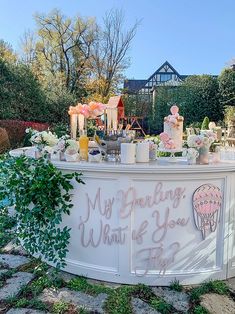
(77, 55)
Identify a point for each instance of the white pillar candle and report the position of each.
(81, 121)
(109, 119)
(73, 125)
(128, 153)
(142, 152)
(114, 119)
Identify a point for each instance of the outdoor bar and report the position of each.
(152, 223)
(143, 217)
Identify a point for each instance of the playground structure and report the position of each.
(116, 120)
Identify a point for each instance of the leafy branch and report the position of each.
(40, 194)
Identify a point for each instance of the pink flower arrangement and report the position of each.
(204, 139)
(84, 110)
(96, 109)
(167, 142)
(164, 137)
(91, 110)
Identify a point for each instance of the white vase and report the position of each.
(55, 156)
(73, 157)
(94, 158)
(191, 160)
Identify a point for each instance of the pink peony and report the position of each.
(85, 110)
(72, 110)
(101, 106)
(198, 141)
(170, 144)
(164, 137)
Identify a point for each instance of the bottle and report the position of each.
(83, 145)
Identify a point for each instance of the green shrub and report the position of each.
(205, 124)
(21, 96)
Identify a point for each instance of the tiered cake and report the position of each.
(172, 137)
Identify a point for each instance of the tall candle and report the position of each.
(142, 152)
(81, 121)
(114, 118)
(128, 153)
(73, 125)
(109, 118)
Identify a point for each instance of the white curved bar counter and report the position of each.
(152, 223)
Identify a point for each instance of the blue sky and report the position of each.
(195, 36)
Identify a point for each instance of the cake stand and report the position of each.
(172, 152)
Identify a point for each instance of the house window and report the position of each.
(165, 77)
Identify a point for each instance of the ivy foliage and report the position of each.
(41, 196)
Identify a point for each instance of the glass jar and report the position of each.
(204, 155)
(83, 145)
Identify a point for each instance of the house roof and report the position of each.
(115, 101)
(134, 85)
(159, 70)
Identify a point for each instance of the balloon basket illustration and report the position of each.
(207, 201)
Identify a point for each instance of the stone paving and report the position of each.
(13, 261)
(141, 307)
(216, 303)
(79, 299)
(13, 282)
(24, 311)
(179, 300)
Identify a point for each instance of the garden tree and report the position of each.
(136, 105)
(28, 42)
(61, 50)
(227, 87)
(166, 96)
(109, 54)
(58, 101)
(6, 52)
(199, 98)
(21, 96)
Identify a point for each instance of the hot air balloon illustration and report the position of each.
(207, 200)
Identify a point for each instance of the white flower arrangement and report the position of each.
(204, 139)
(43, 138)
(71, 154)
(190, 153)
(65, 145)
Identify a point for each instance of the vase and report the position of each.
(191, 160)
(152, 152)
(203, 158)
(39, 151)
(62, 156)
(73, 157)
(38, 154)
(55, 156)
